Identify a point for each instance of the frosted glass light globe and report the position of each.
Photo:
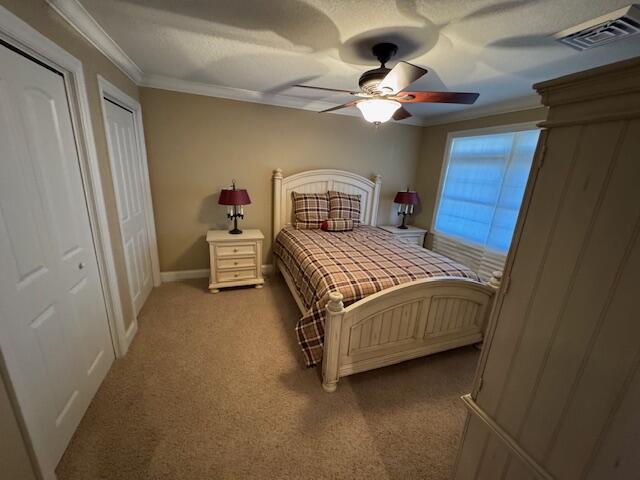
(378, 110)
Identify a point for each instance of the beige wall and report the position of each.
(40, 16)
(434, 141)
(197, 144)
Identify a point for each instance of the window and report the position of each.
(480, 196)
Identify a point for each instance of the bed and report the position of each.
(367, 298)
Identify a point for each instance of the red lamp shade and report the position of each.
(407, 198)
(230, 196)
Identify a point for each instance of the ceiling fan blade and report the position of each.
(325, 89)
(437, 97)
(400, 77)
(345, 105)
(401, 114)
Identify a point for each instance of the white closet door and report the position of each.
(53, 324)
(126, 169)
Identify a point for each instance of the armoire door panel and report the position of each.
(558, 270)
(603, 259)
(514, 470)
(558, 387)
(493, 460)
(531, 251)
(609, 365)
(475, 437)
(617, 457)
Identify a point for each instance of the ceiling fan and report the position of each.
(382, 89)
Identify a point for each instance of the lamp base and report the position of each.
(403, 226)
(235, 230)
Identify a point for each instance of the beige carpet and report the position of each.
(213, 387)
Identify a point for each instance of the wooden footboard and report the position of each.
(404, 322)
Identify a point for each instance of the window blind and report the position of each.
(480, 197)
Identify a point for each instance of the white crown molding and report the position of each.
(242, 95)
(179, 275)
(279, 100)
(78, 17)
(231, 93)
(529, 102)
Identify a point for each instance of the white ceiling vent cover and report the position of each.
(602, 30)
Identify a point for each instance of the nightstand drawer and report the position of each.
(236, 263)
(417, 239)
(236, 250)
(236, 275)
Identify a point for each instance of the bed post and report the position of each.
(277, 206)
(377, 180)
(332, 331)
(495, 281)
(277, 201)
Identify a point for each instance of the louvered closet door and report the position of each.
(53, 325)
(126, 165)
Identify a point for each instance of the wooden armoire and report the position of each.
(557, 391)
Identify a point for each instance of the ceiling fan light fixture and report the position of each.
(378, 110)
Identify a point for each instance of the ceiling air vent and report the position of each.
(602, 30)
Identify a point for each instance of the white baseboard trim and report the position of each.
(129, 334)
(183, 275)
(178, 275)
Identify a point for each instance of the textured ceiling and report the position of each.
(497, 48)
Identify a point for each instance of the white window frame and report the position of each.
(475, 132)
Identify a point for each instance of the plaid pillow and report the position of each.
(344, 205)
(337, 225)
(310, 209)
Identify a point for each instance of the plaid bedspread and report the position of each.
(357, 264)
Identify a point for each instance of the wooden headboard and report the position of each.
(321, 181)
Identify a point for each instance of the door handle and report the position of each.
(80, 266)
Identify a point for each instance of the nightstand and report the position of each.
(235, 259)
(411, 234)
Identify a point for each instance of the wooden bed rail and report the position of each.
(407, 321)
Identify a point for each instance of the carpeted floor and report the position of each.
(213, 388)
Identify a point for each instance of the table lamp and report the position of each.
(235, 199)
(406, 200)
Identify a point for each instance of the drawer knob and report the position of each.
(235, 263)
(235, 250)
(237, 275)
